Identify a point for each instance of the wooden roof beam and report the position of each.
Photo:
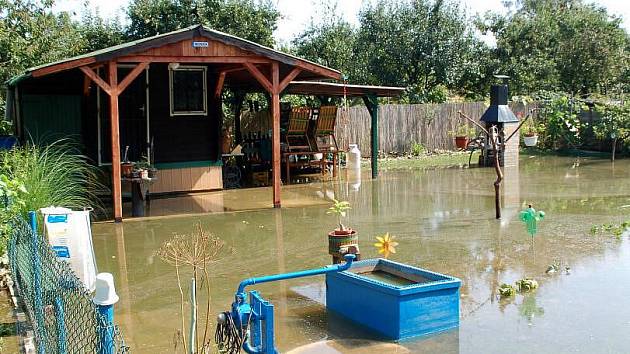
(193, 59)
(131, 76)
(62, 66)
(260, 77)
(92, 75)
(219, 88)
(287, 79)
(319, 70)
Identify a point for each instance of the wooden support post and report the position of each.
(115, 141)
(371, 102)
(275, 111)
(239, 98)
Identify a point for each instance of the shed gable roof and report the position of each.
(146, 44)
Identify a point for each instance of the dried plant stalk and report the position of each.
(198, 250)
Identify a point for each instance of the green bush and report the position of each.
(33, 177)
(560, 117)
(417, 149)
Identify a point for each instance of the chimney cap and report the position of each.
(503, 77)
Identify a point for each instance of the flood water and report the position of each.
(443, 220)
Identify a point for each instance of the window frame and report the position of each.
(198, 68)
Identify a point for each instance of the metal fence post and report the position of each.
(61, 326)
(105, 298)
(37, 283)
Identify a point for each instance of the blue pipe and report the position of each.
(240, 293)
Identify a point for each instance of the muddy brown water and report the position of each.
(444, 221)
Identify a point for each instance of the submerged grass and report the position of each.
(427, 161)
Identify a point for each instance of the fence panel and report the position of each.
(64, 318)
(400, 125)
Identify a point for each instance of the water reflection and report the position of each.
(444, 221)
(530, 309)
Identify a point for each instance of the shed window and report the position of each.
(188, 90)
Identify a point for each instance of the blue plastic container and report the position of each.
(394, 300)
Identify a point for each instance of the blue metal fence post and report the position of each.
(105, 298)
(37, 283)
(61, 326)
(106, 332)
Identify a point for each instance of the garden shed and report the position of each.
(157, 98)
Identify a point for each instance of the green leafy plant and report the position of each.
(417, 149)
(463, 130)
(526, 284)
(143, 164)
(339, 208)
(6, 127)
(506, 290)
(560, 114)
(613, 125)
(12, 195)
(532, 128)
(614, 229)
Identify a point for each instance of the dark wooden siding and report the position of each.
(182, 138)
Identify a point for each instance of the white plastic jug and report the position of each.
(354, 157)
(70, 235)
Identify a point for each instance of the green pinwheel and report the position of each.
(531, 217)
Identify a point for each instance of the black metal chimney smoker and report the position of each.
(499, 115)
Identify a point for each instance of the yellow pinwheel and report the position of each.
(386, 245)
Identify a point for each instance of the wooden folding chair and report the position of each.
(296, 135)
(325, 129)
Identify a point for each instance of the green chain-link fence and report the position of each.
(63, 316)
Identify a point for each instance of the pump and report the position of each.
(249, 325)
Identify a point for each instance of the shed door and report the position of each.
(133, 119)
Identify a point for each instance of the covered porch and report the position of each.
(159, 100)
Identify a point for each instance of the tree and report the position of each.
(559, 45)
(422, 44)
(614, 124)
(249, 19)
(330, 42)
(32, 34)
(98, 33)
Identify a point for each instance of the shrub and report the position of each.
(560, 115)
(417, 149)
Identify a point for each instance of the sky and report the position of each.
(298, 13)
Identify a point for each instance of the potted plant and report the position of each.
(7, 140)
(143, 167)
(530, 133)
(145, 164)
(342, 235)
(462, 134)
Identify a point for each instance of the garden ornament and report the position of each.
(531, 217)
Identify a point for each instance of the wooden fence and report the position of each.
(400, 125)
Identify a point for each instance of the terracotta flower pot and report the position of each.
(126, 169)
(226, 144)
(461, 142)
